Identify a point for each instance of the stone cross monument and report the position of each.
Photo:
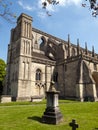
(74, 125)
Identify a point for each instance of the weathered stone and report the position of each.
(52, 114)
(5, 98)
(36, 98)
(35, 58)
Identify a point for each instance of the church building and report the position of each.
(36, 58)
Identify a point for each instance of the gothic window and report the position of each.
(95, 66)
(28, 47)
(66, 51)
(38, 75)
(73, 52)
(32, 44)
(24, 46)
(55, 77)
(23, 70)
(41, 40)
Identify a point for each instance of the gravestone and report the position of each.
(52, 114)
(73, 125)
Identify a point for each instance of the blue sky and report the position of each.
(69, 17)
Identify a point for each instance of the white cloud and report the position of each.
(62, 3)
(42, 15)
(49, 6)
(26, 6)
(69, 2)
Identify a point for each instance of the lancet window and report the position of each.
(38, 75)
(73, 52)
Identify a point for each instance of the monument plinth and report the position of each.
(52, 114)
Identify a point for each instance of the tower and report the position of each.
(19, 59)
(24, 75)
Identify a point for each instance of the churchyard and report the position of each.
(27, 115)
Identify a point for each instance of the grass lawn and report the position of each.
(27, 116)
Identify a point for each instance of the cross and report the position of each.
(73, 125)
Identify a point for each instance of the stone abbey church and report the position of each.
(36, 58)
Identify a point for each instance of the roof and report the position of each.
(41, 56)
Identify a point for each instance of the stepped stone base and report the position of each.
(52, 116)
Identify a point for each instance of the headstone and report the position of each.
(52, 114)
(74, 125)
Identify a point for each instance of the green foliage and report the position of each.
(2, 74)
(2, 70)
(28, 117)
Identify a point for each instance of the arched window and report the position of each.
(95, 67)
(42, 40)
(55, 77)
(38, 74)
(73, 52)
(66, 52)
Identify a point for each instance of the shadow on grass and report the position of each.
(36, 118)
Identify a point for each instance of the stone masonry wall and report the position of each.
(71, 78)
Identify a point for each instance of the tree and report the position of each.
(5, 12)
(2, 74)
(93, 5)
